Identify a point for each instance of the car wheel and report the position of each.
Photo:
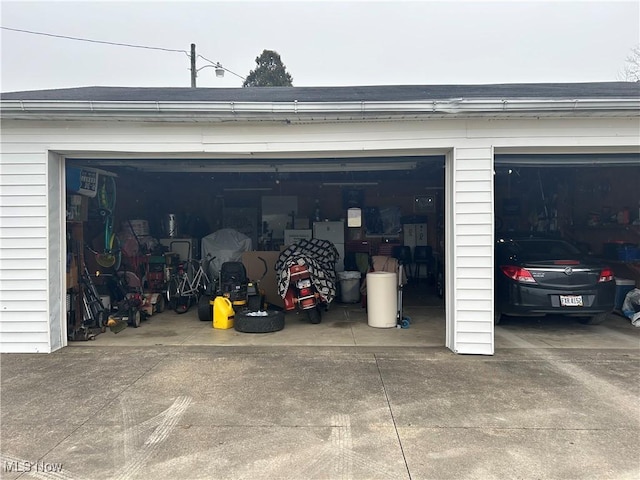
(497, 317)
(595, 319)
(204, 309)
(273, 321)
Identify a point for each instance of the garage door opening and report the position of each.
(167, 204)
(589, 200)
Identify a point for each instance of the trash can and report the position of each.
(382, 299)
(349, 286)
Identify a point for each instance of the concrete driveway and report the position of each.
(553, 403)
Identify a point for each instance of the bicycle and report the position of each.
(185, 288)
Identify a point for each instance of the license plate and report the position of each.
(571, 300)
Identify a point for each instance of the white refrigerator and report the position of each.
(334, 232)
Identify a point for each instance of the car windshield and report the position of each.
(541, 248)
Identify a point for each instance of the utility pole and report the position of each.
(194, 73)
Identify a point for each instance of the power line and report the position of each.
(95, 41)
(130, 45)
(225, 69)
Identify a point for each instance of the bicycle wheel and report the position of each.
(183, 303)
(173, 293)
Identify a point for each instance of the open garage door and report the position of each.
(590, 200)
(172, 203)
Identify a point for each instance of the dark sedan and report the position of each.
(541, 276)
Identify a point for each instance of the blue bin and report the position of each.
(628, 253)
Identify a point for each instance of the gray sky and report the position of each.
(322, 43)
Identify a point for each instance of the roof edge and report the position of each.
(27, 109)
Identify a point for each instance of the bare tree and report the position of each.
(631, 70)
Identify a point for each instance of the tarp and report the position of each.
(631, 306)
(319, 256)
(225, 245)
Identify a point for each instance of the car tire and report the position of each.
(204, 309)
(595, 319)
(497, 317)
(272, 322)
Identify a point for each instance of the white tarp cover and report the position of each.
(226, 245)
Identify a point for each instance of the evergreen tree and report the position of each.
(270, 72)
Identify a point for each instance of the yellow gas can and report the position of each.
(223, 313)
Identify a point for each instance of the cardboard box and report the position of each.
(255, 270)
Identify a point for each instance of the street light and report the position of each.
(194, 71)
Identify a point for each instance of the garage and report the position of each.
(169, 206)
(586, 199)
(419, 157)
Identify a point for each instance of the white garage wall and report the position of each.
(471, 237)
(24, 252)
(32, 221)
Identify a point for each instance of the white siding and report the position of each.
(31, 238)
(471, 239)
(24, 253)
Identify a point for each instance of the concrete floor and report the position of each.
(346, 325)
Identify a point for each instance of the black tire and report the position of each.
(159, 308)
(497, 317)
(272, 322)
(134, 317)
(172, 293)
(182, 305)
(314, 315)
(204, 309)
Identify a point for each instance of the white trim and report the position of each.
(449, 249)
(100, 110)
